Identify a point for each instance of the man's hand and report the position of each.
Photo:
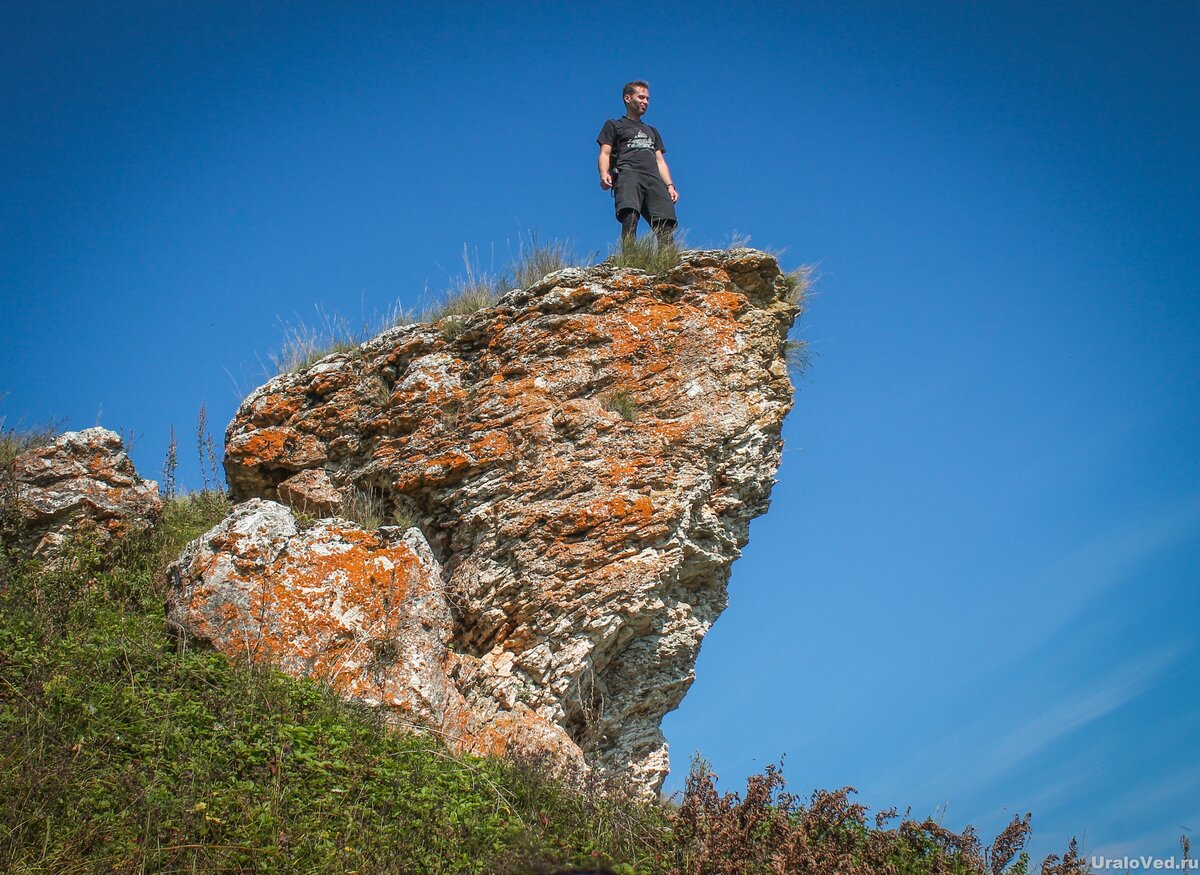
(603, 165)
(665, 173)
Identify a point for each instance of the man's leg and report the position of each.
(629, 223)
(660, 212)
(627, 194)
(664, 229)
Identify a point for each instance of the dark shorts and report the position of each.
(645, 194)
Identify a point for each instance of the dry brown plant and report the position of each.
(768, 830)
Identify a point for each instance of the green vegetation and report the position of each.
(124, 750)
(797, 284)
(305, 344)
(476, 289)
(370, 510)
(15, 441)
(535, 260)
(646, 254)
(468, 293)
(620, 401)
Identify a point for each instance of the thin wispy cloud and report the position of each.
(983, 752)
(1074, 713)
(1153, 840)
(1114, 554)
(1101, 563)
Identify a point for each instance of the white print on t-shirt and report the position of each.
(642, 141)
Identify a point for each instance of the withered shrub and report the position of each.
(769, 830)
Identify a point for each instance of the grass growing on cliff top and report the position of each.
(476, 288)
(645, 253)
(14, 441)
(536, 259)
(121, 751)
(303, 344)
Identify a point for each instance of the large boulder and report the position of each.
(364, 611)
(584, 459)
(82, 483)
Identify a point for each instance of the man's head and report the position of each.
(636, 95)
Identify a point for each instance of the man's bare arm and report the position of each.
(665, 172)
(604, 161)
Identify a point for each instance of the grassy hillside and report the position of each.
(123, 751)
(120, 751)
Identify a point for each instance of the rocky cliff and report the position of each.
(579, 465)
(80, 483)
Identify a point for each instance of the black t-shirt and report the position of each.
(634, 145)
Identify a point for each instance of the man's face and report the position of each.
(638, 102)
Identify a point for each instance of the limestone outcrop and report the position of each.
(82, 482)
(364, 610)
(582, 459)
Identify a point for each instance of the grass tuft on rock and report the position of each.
(476, 288)
(536, 260)
(797, 283)
(14, 441)
(620, 402)
(645, 253)
(305, 344)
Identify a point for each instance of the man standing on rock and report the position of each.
(632, 165)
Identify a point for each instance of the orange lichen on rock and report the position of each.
(274, 409)
(267, 446)
(364, 611)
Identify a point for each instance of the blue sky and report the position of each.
(976, 590)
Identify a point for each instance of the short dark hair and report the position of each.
(630, 86)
